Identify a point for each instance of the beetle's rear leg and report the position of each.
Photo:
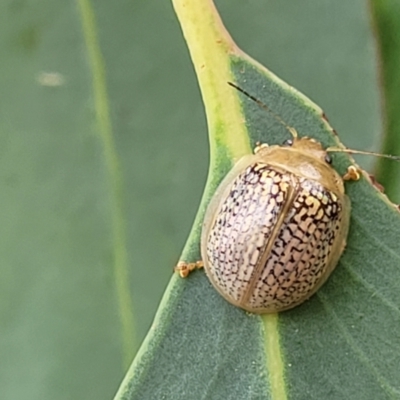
(184, 269)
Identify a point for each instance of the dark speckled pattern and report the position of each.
(246, 221)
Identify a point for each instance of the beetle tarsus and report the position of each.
(352, 174)
(184, 269)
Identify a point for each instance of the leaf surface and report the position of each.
(61, 335)
(331, 347)
(386, 17)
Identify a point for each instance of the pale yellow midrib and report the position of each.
(210, 47)
(275, 363)
(102, 109)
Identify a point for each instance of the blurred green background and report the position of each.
(60, 329)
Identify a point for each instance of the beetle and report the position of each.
(276, 227)
(277, 224)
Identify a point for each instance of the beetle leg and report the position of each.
(184, 269)
(260, 146)
(352, 174)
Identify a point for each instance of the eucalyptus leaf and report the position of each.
(386, 17)
(341, 344)
(61, 331)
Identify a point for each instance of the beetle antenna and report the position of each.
(368, 153)
(292, 130)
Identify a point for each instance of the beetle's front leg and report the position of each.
(353, 174)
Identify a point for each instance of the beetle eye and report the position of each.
(328, 159)
(288, 142)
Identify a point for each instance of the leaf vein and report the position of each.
(120, 264)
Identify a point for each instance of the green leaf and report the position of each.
(386, 14)
(341, 344)
(61, 334)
